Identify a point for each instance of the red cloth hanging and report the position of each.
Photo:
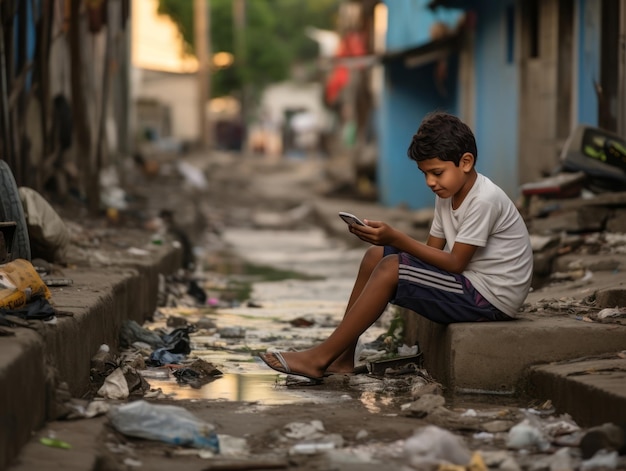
(351, 45)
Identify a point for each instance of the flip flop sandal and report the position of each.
(285, 367)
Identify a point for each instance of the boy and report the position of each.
(476, 264)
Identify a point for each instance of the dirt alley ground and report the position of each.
(364, 417)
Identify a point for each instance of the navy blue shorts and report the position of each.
(438, 295)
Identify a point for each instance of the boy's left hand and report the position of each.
(375, 233)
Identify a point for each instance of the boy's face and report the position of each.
(443, 177)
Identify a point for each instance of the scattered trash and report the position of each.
(47, 232)
(233, 446)
(169, 424)
(57, 281)
(601, 460)
(36, 309)
(102, 365)
(526, 436)
(132, 332)
(82, 409)
(114, 386)
(406, 351)
(19, 284)
(232, 332)
(380, 367)
(310, 448)
(608, 437)
(304, 430)
(192, 175)
(162, 356)
(431, 445)
(611, 312)
(55, 443)
(424, 405)
(198, 373)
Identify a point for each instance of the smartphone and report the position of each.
(351, 218)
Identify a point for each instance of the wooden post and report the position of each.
(82, 130)
(202, 32)
(239, 26)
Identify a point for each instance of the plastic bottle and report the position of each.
(169, 424)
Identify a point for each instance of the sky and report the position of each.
(156, 42)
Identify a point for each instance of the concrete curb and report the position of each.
(36, 360)
(592, 389)
(494, 357)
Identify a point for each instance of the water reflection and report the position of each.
(260, 388)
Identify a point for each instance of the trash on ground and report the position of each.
(20, 283)
(431, 445)
(55, 443)
(47, 232)
(169, 424)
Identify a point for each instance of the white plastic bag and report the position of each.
(169, 424)
(48, 234)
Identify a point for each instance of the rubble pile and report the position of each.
(587, 225)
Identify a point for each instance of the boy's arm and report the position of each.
(379, 233)
(436, 242)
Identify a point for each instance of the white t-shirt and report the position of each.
(502, 266)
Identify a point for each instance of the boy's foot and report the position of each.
(277, 362)
(344, 365)
(359, 370)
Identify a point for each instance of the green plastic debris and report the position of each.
(53, 442)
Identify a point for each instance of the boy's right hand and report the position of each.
(375, 232)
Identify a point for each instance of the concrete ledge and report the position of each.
(493, 357)
(35, 360)
(592, 391)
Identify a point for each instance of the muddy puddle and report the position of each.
(263, 389)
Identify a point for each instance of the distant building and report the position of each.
(164, 87)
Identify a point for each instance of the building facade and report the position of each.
(522, 73)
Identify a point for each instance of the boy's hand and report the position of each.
(375, 233)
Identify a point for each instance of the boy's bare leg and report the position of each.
(373, 255)
(368, 307)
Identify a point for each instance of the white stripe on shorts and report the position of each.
(430, 278)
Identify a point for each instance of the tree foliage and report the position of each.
(274, 37)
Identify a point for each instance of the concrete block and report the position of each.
(611, 297)
(574, 220)
(592, 391)
(543, 261)
(593, 262)
(492, 357)
(617, 222)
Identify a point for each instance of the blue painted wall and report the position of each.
(409, 94)
(588, 60)
(27, 16)
(410, 20)
(496, 116)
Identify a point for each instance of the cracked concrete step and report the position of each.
(591, 390)
(34, 360)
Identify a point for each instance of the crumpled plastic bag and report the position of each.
(115, 386)
(48, 234)
(166, 423)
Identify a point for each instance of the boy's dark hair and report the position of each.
(443, 136)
